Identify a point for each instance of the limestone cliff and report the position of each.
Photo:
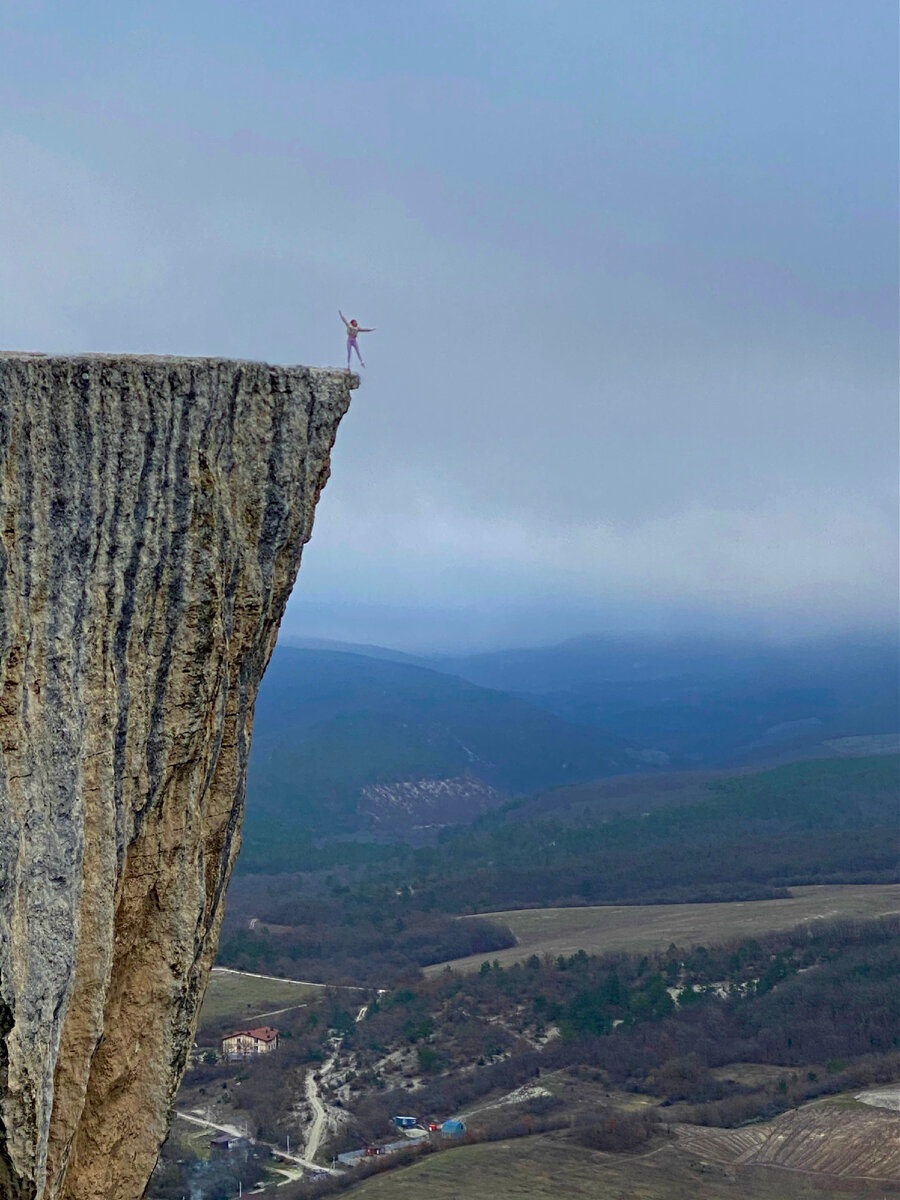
(152, 517)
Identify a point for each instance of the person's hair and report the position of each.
(353, 322)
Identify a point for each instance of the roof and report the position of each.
(263, 1034)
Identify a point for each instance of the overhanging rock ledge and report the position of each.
(152, 516)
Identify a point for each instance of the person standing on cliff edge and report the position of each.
(352, 330)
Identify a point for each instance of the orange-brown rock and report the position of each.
(152, 516)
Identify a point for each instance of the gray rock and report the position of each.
(152, 516)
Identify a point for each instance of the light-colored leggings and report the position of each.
(351, 345)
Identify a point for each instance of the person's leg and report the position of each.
(349, 349)
(358, 355)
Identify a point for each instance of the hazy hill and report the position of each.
(712, 701)
(344, 742)
(366, 649)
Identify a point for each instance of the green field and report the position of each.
(545, 1168)
(242, 997)
(655, 926)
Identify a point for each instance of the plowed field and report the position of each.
(856, 1142)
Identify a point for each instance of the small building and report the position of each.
(224, 1141)
(244, 1043)
(405, 1122)
(453, 1129)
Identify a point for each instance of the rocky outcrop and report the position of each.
(152, 517)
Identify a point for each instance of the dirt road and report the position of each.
(320, 1117)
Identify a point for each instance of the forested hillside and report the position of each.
(329, 726)
(376, 747)
(825, 821)
(750, 836)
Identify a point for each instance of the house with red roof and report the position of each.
(244, 1043)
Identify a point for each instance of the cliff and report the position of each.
(152, 516)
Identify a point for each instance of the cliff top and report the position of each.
(91, 356)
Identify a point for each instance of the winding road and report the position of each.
(317, 1129)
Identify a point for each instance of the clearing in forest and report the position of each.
(247, 997)
(635, 928)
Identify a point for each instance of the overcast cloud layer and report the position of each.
(632, 267)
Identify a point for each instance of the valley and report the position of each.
(646, 982)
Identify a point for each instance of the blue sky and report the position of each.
(632, 267)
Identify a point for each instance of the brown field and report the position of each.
(760, 1074)
(844, 1140)
(548, 1168)
(835, 1148)
(609, 927)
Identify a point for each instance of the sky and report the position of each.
(632, 266)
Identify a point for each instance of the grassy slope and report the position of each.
(243, 996)
(653, 927)
(543, 1168)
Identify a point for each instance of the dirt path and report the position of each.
(342, 987)
(275, 1012)
(231, 1130)
(275, 978)
(320, 1117)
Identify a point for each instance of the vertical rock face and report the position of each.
(152, 517)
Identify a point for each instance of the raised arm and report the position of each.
(343, 318)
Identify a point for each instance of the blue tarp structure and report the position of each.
(453, 1129)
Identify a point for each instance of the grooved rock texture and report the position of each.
(152, 517)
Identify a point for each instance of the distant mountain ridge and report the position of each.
(710, 701)
(358, 741)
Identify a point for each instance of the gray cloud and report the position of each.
(632, 268)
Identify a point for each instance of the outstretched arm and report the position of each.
(343, 318)
(372, 330)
